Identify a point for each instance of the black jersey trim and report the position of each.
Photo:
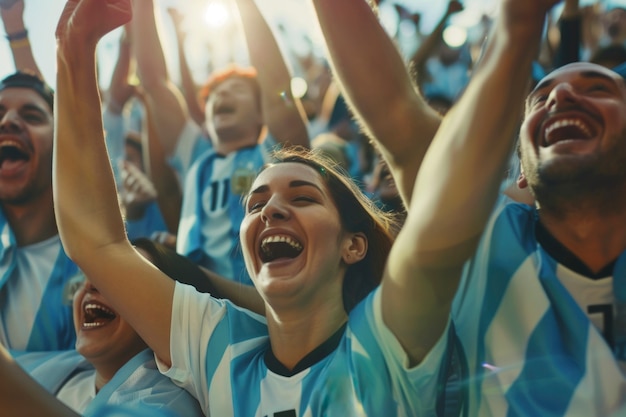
(313, 357)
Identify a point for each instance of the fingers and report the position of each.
(165, 238)
(92, 19)
(7, 4)
(137, 186)
(454, 6)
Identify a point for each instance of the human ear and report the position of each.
(355, 249)
(521, 181)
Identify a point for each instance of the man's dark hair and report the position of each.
(30, 80)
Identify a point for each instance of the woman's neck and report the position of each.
(295, 335)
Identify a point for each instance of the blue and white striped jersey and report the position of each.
(35, 281)
(212, 208)
(137, 384)
(527, 347)
(219, 354)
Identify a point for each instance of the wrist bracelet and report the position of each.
(20, 43)
(17, 36)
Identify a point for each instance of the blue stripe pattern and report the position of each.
(509, 255)
(357, 379)
(53, 328)
(191, 241)
(546, 363)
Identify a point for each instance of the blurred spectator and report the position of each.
(443, 71)
(247, 113)
(334, 147)
(111, 364)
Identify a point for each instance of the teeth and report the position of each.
(94, 324)
(10, 143)
(99, 307)
(568, 122)
(281, 238)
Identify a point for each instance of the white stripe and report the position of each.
(603, 388)
(508, 336)
(6, 236)
(281, 393)
(246, 346)
(220, 395)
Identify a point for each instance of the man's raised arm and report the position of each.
(374, 79)
(168, 103)
(283, 114)
(458, 182)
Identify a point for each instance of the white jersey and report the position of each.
(221, 355)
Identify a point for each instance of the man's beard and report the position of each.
(20, 196)
(597, 179)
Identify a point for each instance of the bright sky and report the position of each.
(295, 16)
(40, 19)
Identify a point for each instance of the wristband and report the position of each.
(17, 36)
(20, 43)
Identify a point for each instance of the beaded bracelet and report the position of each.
(17, 36)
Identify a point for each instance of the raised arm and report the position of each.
(245, 296)
(570, 28)
(86, 207)
(190, 90)
(458, 182)
(433, 40)
(379, 89)
(171, 112)
(283, 114)
(120, 90)
(117, 95)
(168, 190)
(12, 13)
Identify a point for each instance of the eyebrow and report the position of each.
(29, 106)
(584, 74)
(293, 184)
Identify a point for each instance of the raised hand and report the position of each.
(137, 191)
(91, 19)
(165, 238)
(454, 6)
(177, 20)
(11, 10)
(522, 12)
(8, 4)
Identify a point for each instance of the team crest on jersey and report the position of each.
(241, 180)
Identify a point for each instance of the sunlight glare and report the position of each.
(299, 87)
(455, 36)
(217, 15)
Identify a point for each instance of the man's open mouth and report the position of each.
(566, 129)
(224, 108)
(12, 153)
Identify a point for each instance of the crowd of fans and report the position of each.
(435, 230)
